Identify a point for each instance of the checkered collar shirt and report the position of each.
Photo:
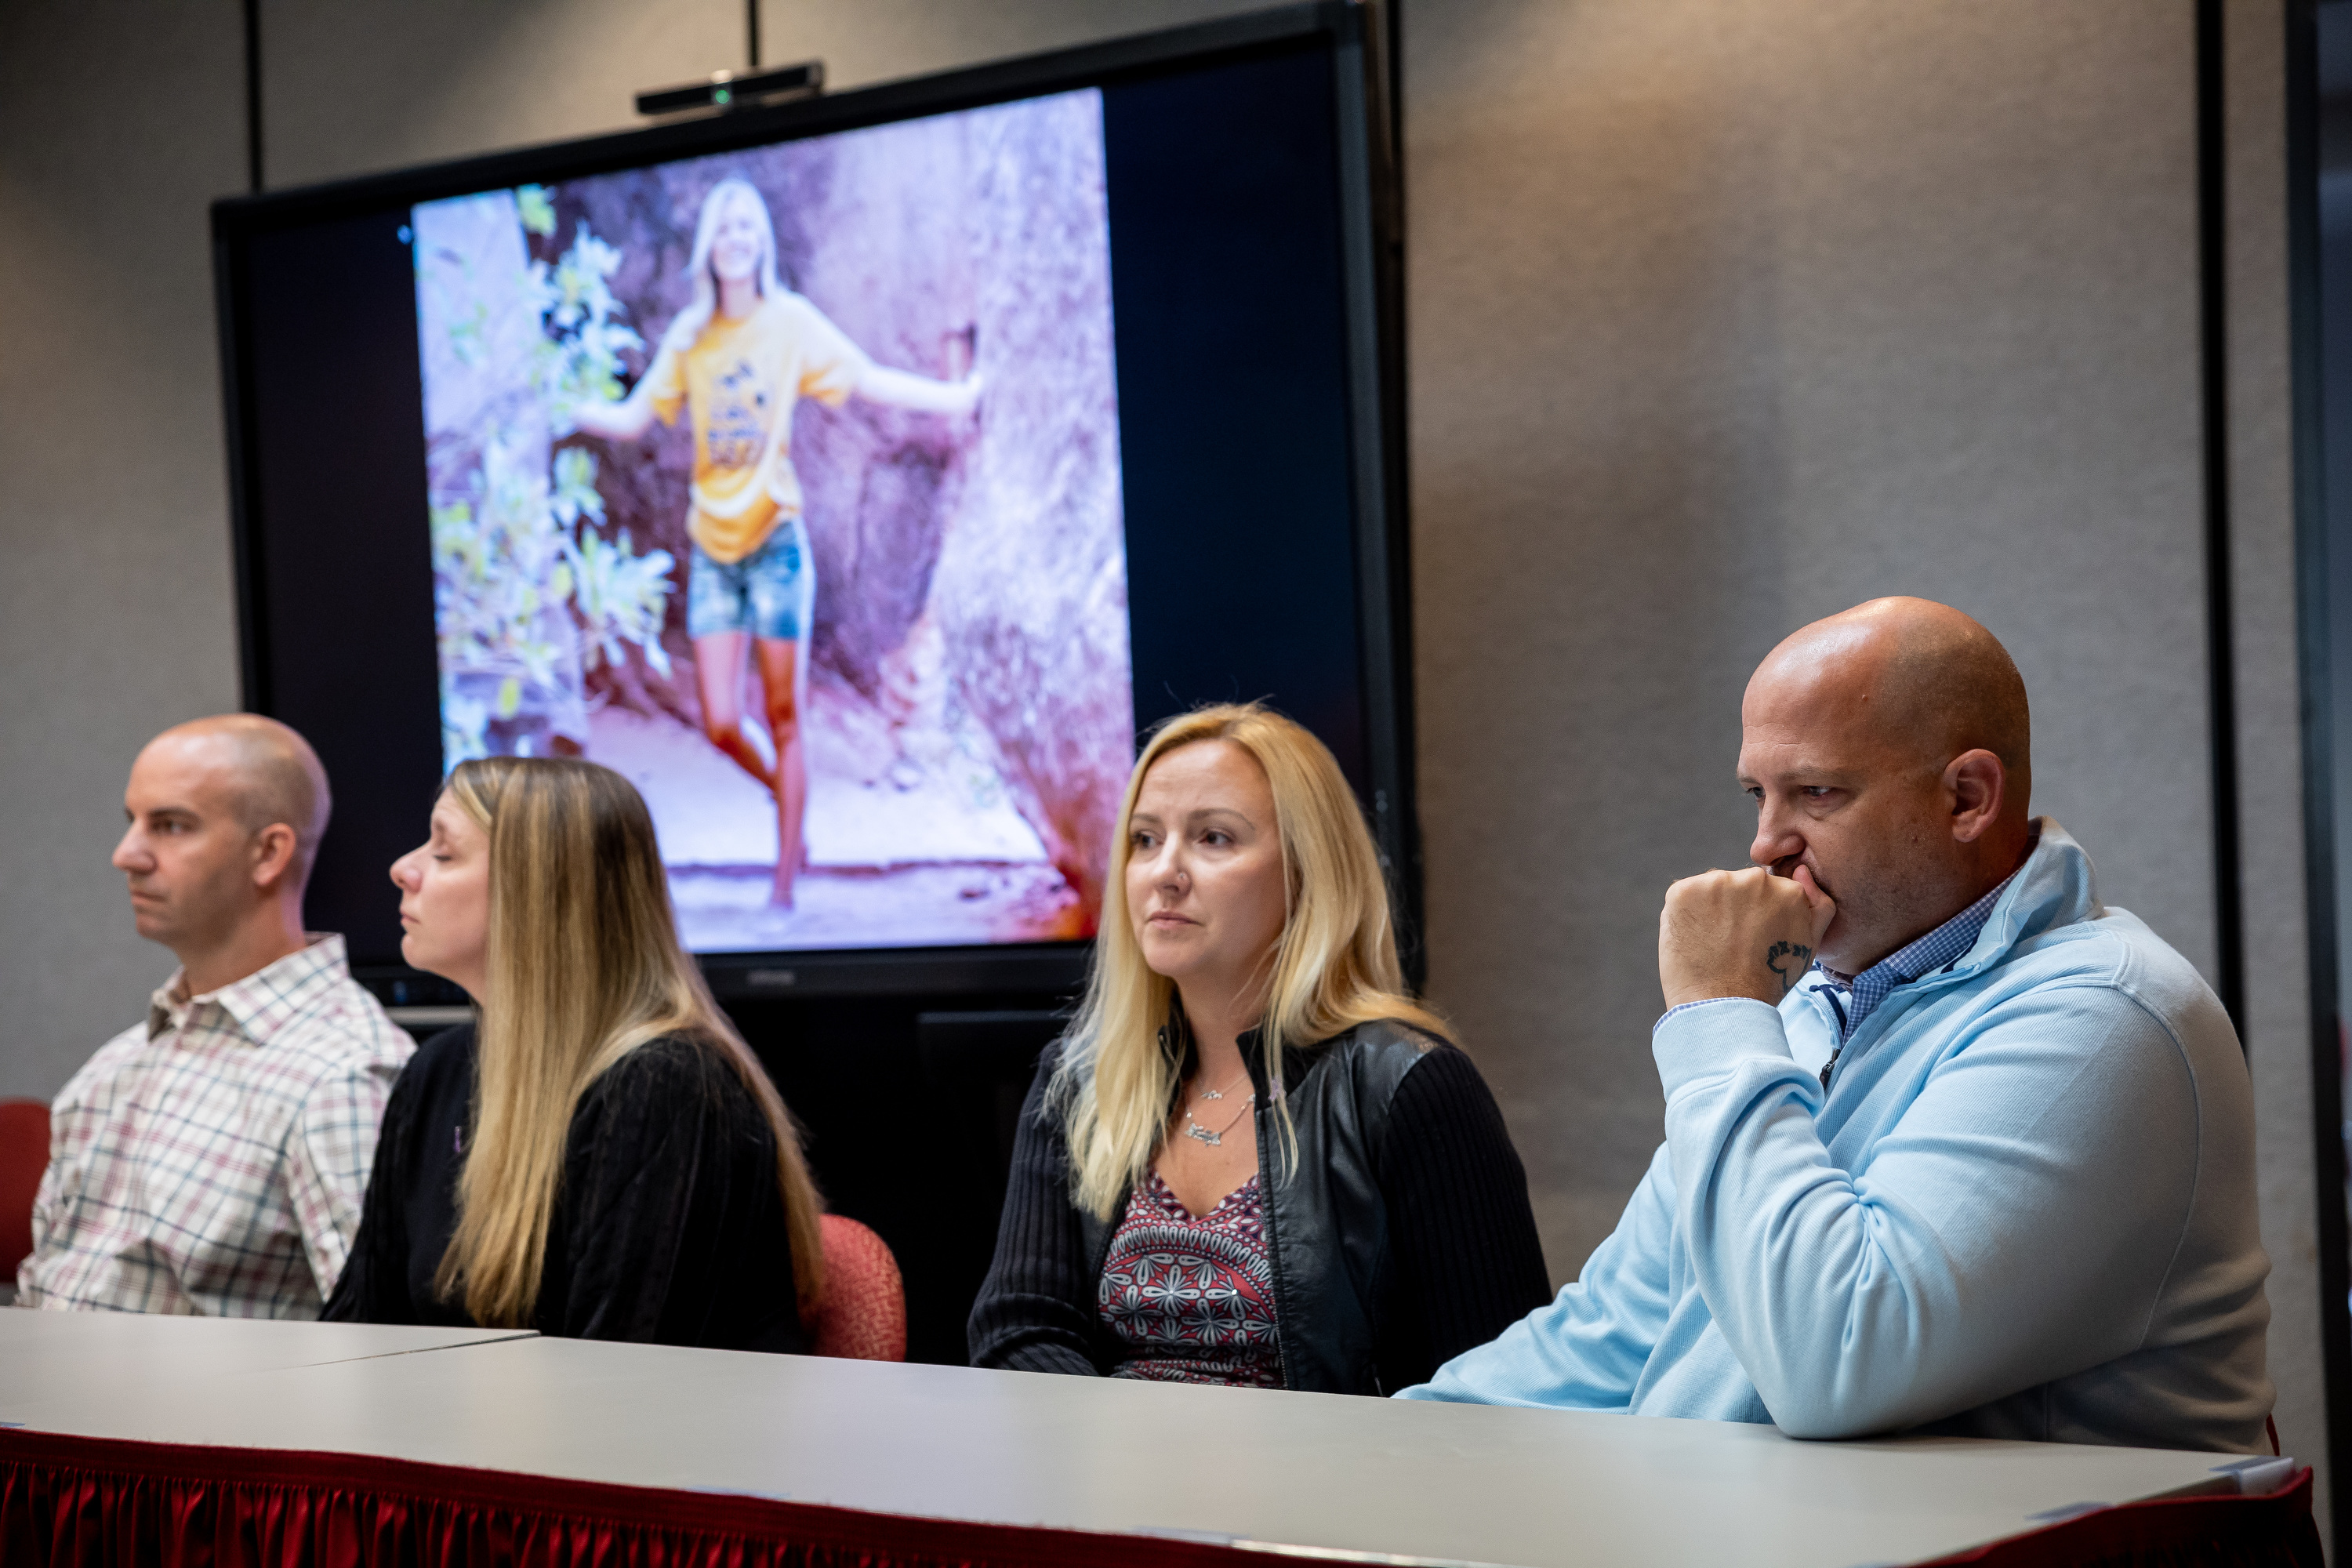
(213, 1159)
(1854, 998)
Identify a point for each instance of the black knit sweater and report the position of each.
(1464, 1262)
(668, 1227)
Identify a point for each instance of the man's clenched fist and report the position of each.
(1739, 933)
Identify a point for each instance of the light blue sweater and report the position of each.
(2027, 1208)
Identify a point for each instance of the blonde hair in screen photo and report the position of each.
(688, 325)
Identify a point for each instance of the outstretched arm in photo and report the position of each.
(623, 421)
(904, 389)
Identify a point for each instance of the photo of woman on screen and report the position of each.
(738, 359)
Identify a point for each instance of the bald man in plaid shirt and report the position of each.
(211, 1160)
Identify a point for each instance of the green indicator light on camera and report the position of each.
(721, 97)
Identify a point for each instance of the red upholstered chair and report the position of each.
(863, 1314)
(24, 1155)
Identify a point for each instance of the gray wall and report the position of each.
(119, 122)
(1724, 315)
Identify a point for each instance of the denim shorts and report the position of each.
(769, 592)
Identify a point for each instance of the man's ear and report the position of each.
(273, 856)
(1975, 783)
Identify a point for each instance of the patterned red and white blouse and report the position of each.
(1192, 1297)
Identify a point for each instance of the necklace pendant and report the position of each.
(1213, 1094)
(1203, 1134)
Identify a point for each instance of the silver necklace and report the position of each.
(1220, 1093)
(1216, 1138)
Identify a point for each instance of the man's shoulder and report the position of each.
(340, 1029)
(2110, 961)
(2110, 947)
(109, 1059)
(2066, 937)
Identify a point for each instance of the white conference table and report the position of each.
(80, 1356)
(1388, 1479)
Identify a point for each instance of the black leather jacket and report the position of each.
(1404, 1237)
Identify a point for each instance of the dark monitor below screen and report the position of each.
(989, 435)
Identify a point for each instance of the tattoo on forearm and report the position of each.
(1799, 956)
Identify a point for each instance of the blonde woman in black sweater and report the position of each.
(1252, 1159)
(600, 1155)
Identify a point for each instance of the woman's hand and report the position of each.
(623, 421)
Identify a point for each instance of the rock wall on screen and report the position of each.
(970, 570)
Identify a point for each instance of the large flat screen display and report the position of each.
(786, 482)
(857, 477)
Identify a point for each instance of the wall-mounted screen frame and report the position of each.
(331, 501)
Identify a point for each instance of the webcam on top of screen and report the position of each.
(727, 90)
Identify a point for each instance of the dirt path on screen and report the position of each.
(911, 840)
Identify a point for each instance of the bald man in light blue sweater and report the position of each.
(1950, 1144)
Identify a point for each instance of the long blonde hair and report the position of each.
(584, 967)
(1334, 966)
(689, 321)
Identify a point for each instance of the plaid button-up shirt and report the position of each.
(213, 1160)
